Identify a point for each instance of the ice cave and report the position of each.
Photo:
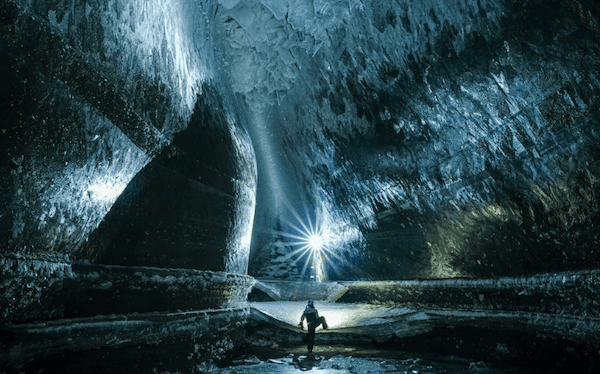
(179, 177)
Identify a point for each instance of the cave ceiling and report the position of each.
(422, 140)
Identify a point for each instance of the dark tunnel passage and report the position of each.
(177, 179)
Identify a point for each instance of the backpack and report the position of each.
(312, 316)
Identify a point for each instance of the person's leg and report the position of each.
(311, 337)
(323, 322)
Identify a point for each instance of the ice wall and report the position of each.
(160, 342)
(148, 49)
(111, 73)
(36, 290)
(267, 46)
(437, 130)
(97, 90)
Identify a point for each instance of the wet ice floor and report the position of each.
(344, 363)
(342, 358)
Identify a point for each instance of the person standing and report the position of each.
(311, 314)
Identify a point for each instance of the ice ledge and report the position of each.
(53, 290)
(30, 342)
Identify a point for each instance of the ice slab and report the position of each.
(338, 316)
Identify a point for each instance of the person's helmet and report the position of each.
(311, 303)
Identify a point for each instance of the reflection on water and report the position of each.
(341, 359)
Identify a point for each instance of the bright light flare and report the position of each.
(310, 241)
(315, 242)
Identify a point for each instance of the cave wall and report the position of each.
(127, 189)
(191, 207)
(427, 140)
(435, 141)
(97, 97)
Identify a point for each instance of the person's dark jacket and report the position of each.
(311, 314)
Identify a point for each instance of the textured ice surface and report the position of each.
(59, 199)
(270, 40)
(35, 290)
(265, 40)
(201, 336)
(434, 107)
(114, 82)
(156, 40)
